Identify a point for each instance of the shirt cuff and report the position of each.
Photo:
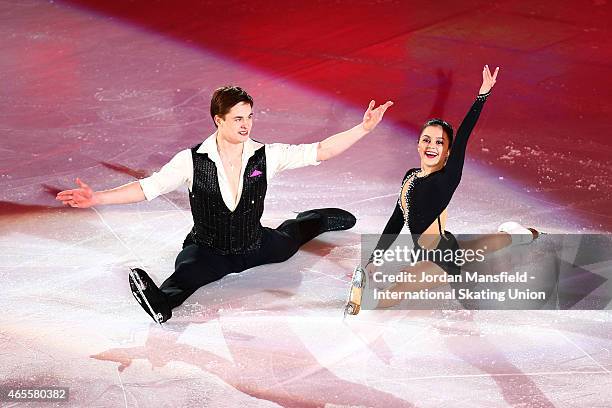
(311, 154)
(149, 188)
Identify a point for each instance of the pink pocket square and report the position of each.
(256, 173)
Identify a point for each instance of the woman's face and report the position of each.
(433, 148)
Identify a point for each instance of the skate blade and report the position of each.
(353, 304)
(351, 309)
(140, 286)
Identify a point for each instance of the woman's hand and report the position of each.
(488, 80)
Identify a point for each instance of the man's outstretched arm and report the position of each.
(85, 197)
(173, 174)
(336, 144)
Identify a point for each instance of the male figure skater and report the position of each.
(227, 175)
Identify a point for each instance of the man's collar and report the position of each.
(209, 146)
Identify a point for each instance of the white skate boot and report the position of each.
(520, 235)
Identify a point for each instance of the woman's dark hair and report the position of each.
(224, 98)
(446, 128)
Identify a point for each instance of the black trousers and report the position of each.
(197, 266)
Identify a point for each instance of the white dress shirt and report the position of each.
(179, 170)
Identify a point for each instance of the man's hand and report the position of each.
(372, 117)
(336, 144)
(82, 197)
(488, 80)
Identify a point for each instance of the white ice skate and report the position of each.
(520, 235)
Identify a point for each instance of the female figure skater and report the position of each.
(424, 196)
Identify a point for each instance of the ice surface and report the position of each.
(90, 96)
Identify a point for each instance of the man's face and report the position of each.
(236, 126)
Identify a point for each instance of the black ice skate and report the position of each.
(148, 295)
(334, 219)
(353, 305)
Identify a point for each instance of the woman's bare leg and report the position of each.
(488, 243)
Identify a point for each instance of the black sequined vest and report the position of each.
(214, 225)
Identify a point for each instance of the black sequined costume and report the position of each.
(426, 197)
